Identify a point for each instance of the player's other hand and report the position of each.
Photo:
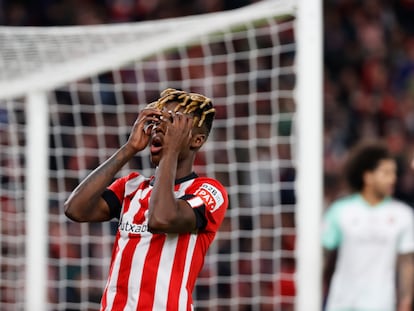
(141, 130)
(178, 132)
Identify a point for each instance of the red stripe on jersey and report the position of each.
(115, 250)
(121, 296)
(118, 187)
(104, 301)
(149, 275)
(177, 272)
(127, 201)
(197, 261)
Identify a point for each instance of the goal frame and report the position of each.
(309, 178)
(309, 146)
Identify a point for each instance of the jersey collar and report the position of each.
(379, 204)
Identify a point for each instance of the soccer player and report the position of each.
(373, 234)
(166, 222)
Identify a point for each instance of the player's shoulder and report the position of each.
(208, 181)
(400, 207)
(135, 176)
(211, 190)
(134, 179)
(345, 201)
(132, 175)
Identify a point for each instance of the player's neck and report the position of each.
(371, 198)
(184, 168)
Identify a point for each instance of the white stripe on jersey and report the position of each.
(137, 268)
(166, 262)
(195, 202)
(137, 265)
(183, 187)
(138, 260)
(111, 288)
(132, 184)
(182, 302)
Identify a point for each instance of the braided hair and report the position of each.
(199, 106)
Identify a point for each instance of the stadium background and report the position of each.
(368, 66)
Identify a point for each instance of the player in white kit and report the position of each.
(367, 237)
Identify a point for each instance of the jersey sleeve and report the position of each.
(114, 195)
(331, 231)
(209, 200)
(406, 239)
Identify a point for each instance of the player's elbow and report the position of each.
(72, 212)
(159, 224)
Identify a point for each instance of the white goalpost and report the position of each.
(309, 155)
(68, 98)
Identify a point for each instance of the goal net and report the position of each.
(69, 97)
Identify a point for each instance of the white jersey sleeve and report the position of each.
(406, 238)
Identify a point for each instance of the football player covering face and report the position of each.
(173, 131)
(166, 221)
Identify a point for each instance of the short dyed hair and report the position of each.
(199, 106)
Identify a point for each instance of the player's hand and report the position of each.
(405, 305)
(178, 131)
(141, 130)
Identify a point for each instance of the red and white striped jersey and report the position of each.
(153, 271)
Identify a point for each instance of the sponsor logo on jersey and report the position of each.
(211, 196)
(128, 227)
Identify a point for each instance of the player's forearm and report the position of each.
(328, 269)
(83, 200)
(163, 206)
(405, 304)
(406, 282)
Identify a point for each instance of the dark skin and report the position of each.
(178, 142)
(330, 257)
(405, 277)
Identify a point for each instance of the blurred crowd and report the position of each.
(77, 254)
(89, 12)
(368, 84)
(368, 65)
(368, 94)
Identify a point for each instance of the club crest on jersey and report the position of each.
(211, 196)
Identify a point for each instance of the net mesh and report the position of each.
(12, 216)
(248, 71)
